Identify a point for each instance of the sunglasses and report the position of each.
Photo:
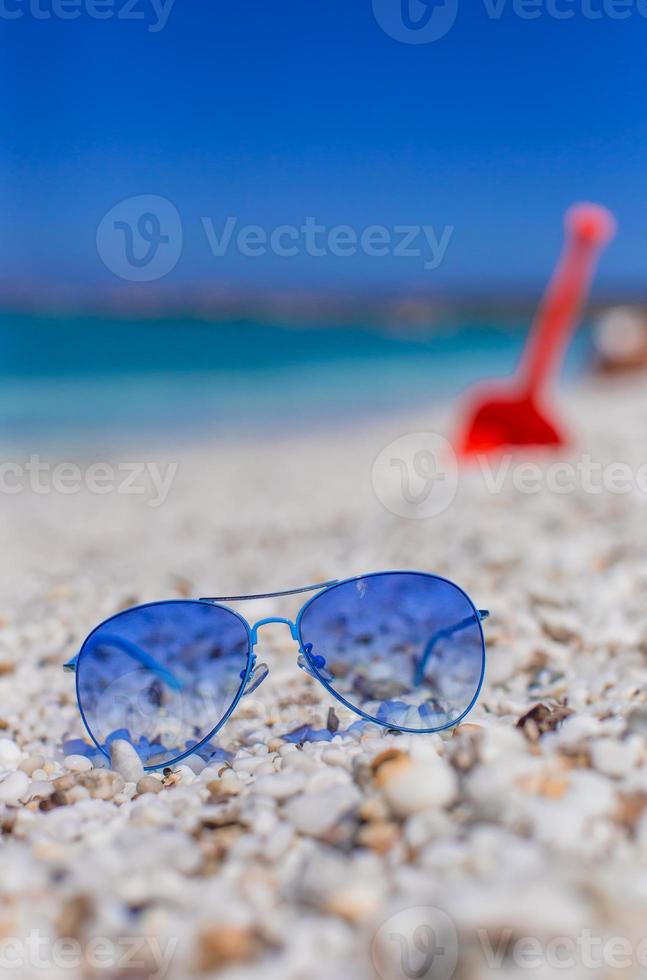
(404, 650)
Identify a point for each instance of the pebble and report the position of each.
(356, 902)
(336, 757)
(196, 764)
(281, 786)
(248, 763)
(616, 758)
(125, 761)
(637, 721)
(380, 836)
(150, 784)
(77, 793)
(411, 785)
(77, 763)
(42, 789)
(13, 786)
(227, 785)
(315, 815)
(33, 764)
(101, 784)
(220, 946)
(10, 754)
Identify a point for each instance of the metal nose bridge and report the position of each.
(273, 619)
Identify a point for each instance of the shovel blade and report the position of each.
(502, 421)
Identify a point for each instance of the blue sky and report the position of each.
(271, 112)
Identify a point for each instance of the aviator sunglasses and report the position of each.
(404, 650)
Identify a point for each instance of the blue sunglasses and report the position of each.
(402, 649)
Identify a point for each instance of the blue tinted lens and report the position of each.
(405, 649)
(162, 676)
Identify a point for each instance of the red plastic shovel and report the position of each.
(515, 414)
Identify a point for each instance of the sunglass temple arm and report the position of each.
(268, 595)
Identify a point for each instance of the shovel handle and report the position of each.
(589, 228)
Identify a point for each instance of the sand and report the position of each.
(339, 858)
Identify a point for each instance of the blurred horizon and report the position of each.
(394, 311)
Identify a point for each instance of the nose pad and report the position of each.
(318, 662)
(256, 678)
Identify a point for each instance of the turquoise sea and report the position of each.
(77, 379)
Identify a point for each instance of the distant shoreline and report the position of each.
(388, 309)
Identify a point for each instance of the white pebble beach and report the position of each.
(527, 823)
